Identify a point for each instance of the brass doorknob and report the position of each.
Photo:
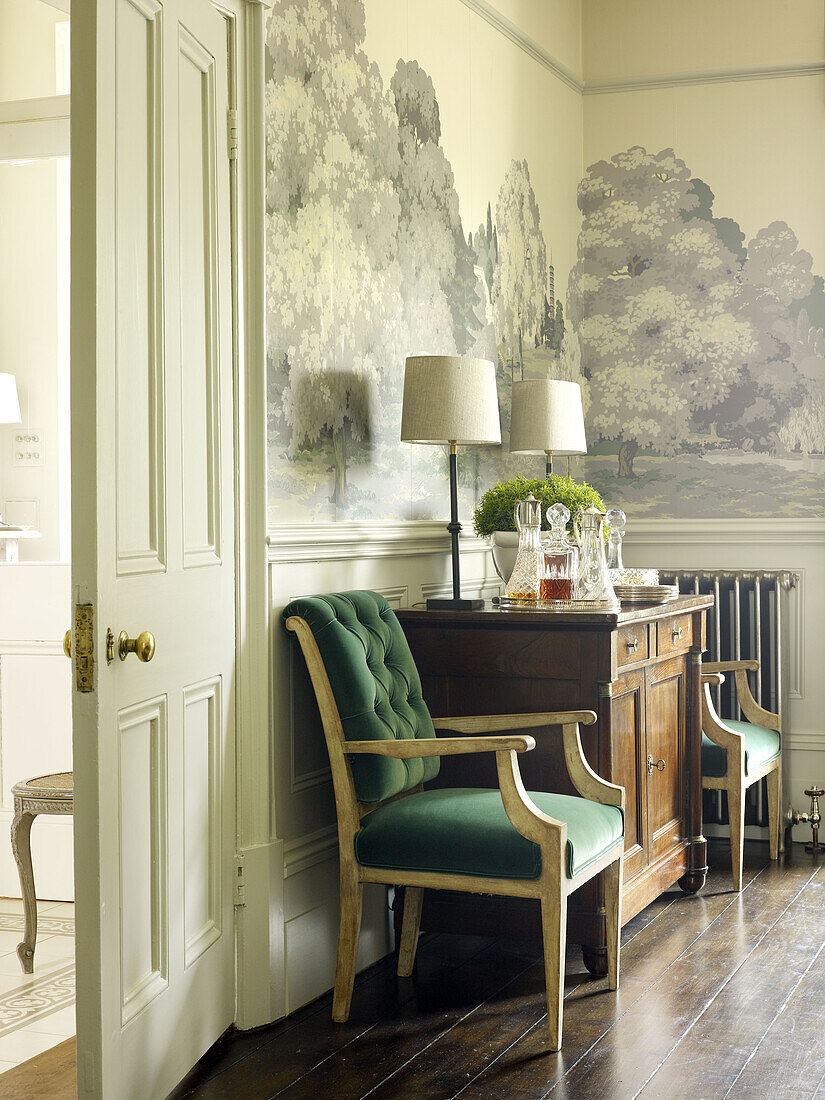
(67, 644)
(143, 646)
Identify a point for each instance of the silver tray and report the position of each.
(646, 593)
(582, 606)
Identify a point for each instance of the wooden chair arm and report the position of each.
(492, 723)
(524, 814)
(584, 779)
(729, 666)
(715, 679)
(750, 708)
(717, 731)
(409, 748)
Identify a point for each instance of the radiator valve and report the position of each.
(812, 818)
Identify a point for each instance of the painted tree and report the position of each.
(558, 328)
(438, 278)
(333, 280)
(654, 301)
(775, 275)
(521, 269)
(803, 428)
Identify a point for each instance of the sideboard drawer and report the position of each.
(632, 644)
(674, 635)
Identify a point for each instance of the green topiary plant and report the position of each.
(495, 509)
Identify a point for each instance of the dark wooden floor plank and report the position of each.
(525, 1070)
(710, 1056)
(291, 1048)
(720, 996)
(643, 1038)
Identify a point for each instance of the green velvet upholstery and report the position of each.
(761, 745)
(466, 831)
(375, 684)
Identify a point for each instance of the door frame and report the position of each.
(259, 918)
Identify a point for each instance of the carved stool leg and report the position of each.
(21, 847)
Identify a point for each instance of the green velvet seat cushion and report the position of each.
(375, 683)
(466, 831)
(761, 745)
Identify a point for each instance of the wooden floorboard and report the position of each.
(48, 1076)
(721, 996)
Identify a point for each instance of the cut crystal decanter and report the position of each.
(559, 562)
(524, 581)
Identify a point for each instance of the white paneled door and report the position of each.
(153, 540)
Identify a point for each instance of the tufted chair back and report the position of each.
(375, 684)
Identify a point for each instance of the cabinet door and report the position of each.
(627, 766)
(665, 698)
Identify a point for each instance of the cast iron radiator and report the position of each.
(748, 620)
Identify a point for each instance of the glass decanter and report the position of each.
(560, 559)
(524, 581)
(593, 579)
(616, 520)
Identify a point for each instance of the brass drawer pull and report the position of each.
(659, 765)
(632, 646)
(676, 633)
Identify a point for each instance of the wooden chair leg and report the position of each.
(348, 930)
(613, 913)
(736, 816)
(413, 900)
(774, 782)
(21, 847)
(554, 935)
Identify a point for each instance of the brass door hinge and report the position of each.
(84, 647)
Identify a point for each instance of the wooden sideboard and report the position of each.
(638, 669)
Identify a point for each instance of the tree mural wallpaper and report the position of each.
(700, 353)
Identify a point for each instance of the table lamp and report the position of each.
(450, 400)
(547, 418)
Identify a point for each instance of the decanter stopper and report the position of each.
(616, 521)
(558, 517)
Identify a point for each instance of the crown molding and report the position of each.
(510, 30)
(713, 76)
(486, 11)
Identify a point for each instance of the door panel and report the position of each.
(152, 402)
(143, 838)
(197, 216)
(139, 499)
(627, 733)
(665, 713)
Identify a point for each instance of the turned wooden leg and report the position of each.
(613, 913)
(736, 816)
(554, 931)
(348, 930)
(774, 782)
(413, 900)
(21, 847)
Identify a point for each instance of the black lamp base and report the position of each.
(455, 605)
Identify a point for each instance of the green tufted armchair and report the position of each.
(383, 747)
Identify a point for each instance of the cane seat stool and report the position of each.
(383, 748)
(735, 755)
(45, 794)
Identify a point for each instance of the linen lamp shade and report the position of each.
(450, 399)
(547, 418)
(9, 404)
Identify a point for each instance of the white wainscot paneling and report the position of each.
(407, 563)
(794, 544)
(35, 716)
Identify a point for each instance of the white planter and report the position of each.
(505, 550)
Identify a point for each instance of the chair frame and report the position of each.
(735, 782)
(551, 889)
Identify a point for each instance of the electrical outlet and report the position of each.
(27, 448)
